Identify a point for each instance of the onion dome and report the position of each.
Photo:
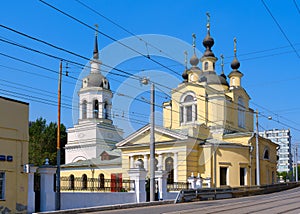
(185, 75)
(223, 79)
(194, 60)
(235, 64)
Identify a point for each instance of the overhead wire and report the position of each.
(280, 28)
(109, 37)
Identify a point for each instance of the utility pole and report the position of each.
(296, 163)
(152, 147)
(58, 155)
(145, 81)
(257, 153)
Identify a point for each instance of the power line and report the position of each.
(280, 28)
(126, 30)
(108, 36)
(296, 5)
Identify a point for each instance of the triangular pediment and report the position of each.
(142, 136)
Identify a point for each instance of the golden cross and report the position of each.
(234, 46)
(185, 58)
(208, 20)
(222, 63)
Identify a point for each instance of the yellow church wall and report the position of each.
(233, 159)
(205, 162)
(14, 136)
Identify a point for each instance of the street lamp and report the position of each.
(145, 81)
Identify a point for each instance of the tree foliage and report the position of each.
(43, 141)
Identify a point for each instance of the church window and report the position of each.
(188, 109)
(156, 164)
(206, 66)
(101, 181)
(84, 182)
(142, 162)
(84, 109)
(2, 185)
(170, 169)
(95, 108)
(105, 111)
(71, 182)
(241, 112)
(189, 112)
(266, 154)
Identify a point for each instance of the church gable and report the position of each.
(142, 136)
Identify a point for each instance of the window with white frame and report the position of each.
(84, 109)
(188, 109)
(2, 185)
(241, 112)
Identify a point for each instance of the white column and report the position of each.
(31, 194)
(175, 167)
(146, 162)
(162, 183)
(139, 176)
(160, 162)
(131, 162)
(47, 196)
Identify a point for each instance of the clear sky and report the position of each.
(268, 50)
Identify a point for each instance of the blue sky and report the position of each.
(269, 58)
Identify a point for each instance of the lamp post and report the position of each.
(145, 81)
(257, 153)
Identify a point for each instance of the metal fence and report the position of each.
(177, 186)
(96, 184)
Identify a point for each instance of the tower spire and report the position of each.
(96, 53)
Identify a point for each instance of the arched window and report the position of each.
(170, 169)
(266, 154)
(142, 163)
(71, 182)
(105, 111)
(156, 164)
(84, 109)
(241, 112)
(95, 109)
(84, 181)
(101, 181)
(188, 109)
(206, 66)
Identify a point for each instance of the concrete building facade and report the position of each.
(282, 137)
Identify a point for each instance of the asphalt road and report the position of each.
(281, 202)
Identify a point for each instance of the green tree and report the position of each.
(42, 142)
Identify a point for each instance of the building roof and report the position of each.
(13, 100)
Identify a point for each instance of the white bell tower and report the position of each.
(95, 131)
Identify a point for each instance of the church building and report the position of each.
(207, 129)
